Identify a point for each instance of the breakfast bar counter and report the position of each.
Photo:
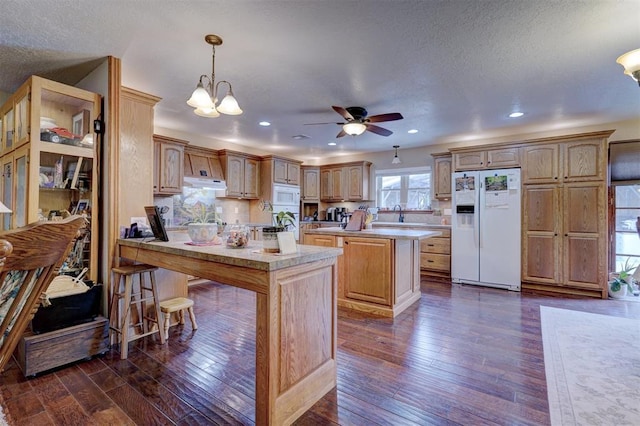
(379, 271)
(296, 314)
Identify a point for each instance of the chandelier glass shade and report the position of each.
(631, 63)
(396, 159)
(205, 96)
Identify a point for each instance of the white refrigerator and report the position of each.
(485, 228)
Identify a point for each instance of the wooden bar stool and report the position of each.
(129, 316)
(179, 304)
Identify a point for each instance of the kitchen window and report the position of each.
(409, 188)
(627, 248)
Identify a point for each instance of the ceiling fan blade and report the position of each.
(343, 112)
(378, 130)
(313, 124)
(341, 134)
(392, 116)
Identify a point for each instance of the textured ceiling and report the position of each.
(454, 69)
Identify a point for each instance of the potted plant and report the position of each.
(283, 220)
(620, 282)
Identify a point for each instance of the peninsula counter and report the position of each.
(379, 271)
(296, 314)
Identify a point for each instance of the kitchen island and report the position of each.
(379, 271)
(296, 314)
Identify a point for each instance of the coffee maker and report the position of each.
(331, 214)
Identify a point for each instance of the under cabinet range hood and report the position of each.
(204, 182)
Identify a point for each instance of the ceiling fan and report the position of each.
(358, 122)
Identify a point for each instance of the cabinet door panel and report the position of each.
(507, 157)
(235, 170)
(293, 174)
(442, 178)
(584, 161)
(541, 204)
(540, 262)
(540, 163)
(583, 206)
(582, 267)
(470, 160)
(368, 273)
(171, 169)
(354, 183)
(251, 178)
(326, 184)
(280, 171)
(311, 184)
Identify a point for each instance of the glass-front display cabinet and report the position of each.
(49, 162)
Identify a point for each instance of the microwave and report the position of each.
(286, 195)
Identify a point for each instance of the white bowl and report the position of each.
(202, 233)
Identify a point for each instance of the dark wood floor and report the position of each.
(462, 355)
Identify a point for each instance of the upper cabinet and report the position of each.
(572, 161)
(49, 161)
(168, 170)
(202, 162)
(485, 158)
(242, 173)
(442, 175)
(284, 170)
(310, 183)
(346, 182)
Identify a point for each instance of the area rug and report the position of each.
(592, 366)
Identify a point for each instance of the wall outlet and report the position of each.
(236, 210)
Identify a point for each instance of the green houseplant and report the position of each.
(284, 219)
(620, 283)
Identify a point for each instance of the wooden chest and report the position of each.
(40, 352)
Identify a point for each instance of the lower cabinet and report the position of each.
(564, 245)
(435, 255)
(367, 272)
(375, 275)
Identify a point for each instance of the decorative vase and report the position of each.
(270, 238)
(202, 233)
(620, 293)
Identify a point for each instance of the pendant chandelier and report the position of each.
(205, 97)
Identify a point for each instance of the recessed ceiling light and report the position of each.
(516, 114)
(412, 131)
(332, 144)
(264, 123)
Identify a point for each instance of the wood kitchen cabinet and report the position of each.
(576, 161)
(367, 271)
(346, 181)
(564, 231)
(331, 183)
(47, 172)
(487, 158)
(435, 255)
(242, 173)
(283, 170)
(442, 175)
(202, 162)
(310, 183)
(168, 171)
(376, 274)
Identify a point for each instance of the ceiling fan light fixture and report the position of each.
(396, 159)
(631, 63)
(354, 129)
(204, 97)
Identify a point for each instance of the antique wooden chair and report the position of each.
(29, 259)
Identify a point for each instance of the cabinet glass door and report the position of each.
(7, 191)
(7, 136)
(22, 120)
(20, 212)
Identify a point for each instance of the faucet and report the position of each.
(400, 216)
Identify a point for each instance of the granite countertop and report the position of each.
(250, 257)
(410, 225)
(390, 233)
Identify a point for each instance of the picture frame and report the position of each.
(81, 206)
(80, 123)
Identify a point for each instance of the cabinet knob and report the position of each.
(566, 235)
(556, 178)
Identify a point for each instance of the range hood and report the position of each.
(204, 182)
